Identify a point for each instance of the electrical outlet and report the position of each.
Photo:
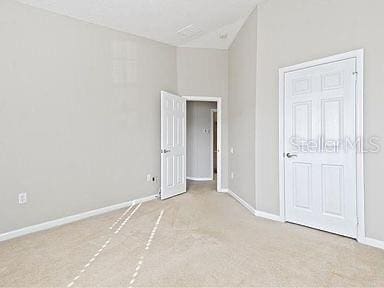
(232, 175)
(149, 178)
(22, 198)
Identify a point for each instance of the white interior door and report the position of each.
(173, 145)
(320, 162)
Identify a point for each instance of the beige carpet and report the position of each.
(201, 239)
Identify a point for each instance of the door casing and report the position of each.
(212, 142)
(358, 55)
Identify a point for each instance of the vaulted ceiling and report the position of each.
(186, 23)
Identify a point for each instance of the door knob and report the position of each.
(289, 155)
(165, 151)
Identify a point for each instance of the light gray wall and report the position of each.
(199, 146)
(288, 33)
(241, 107)
(79, 115)
(204, 72)
(296, 31)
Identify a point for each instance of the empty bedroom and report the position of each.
(179, 143)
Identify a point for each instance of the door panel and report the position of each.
(332, 190)
(320, 174)
(332, 123)
(173, 145)
(302, 179)
(302, 120)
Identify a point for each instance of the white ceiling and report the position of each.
(186, 23)
(220, 38)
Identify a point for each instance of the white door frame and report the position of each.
(212, 148)
(219, 119)
(358, 55)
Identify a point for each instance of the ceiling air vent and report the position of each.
(189, 31)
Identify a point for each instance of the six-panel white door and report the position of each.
(173, 145)
(320, 169)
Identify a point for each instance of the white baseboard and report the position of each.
(69, 219)
(372, 242)
(199, 179)
(241, 201)
(224, 190)
(268, 216)
(253, 210)
(366, 240)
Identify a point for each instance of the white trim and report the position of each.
(255, 212)
(242, 202)
(199, 179)
(360, 179)
(219, 131)
(212, 141)
(372, 242)
(281, 145)
(202, 98)
(359, 56)
(269, 216)
(366, 240)
(70, 219)
(339, 57)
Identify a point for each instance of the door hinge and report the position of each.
(356, 74)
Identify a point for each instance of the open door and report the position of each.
(173, 145)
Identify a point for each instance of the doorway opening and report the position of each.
(174, 143)
(200, 142)
(203, 141)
